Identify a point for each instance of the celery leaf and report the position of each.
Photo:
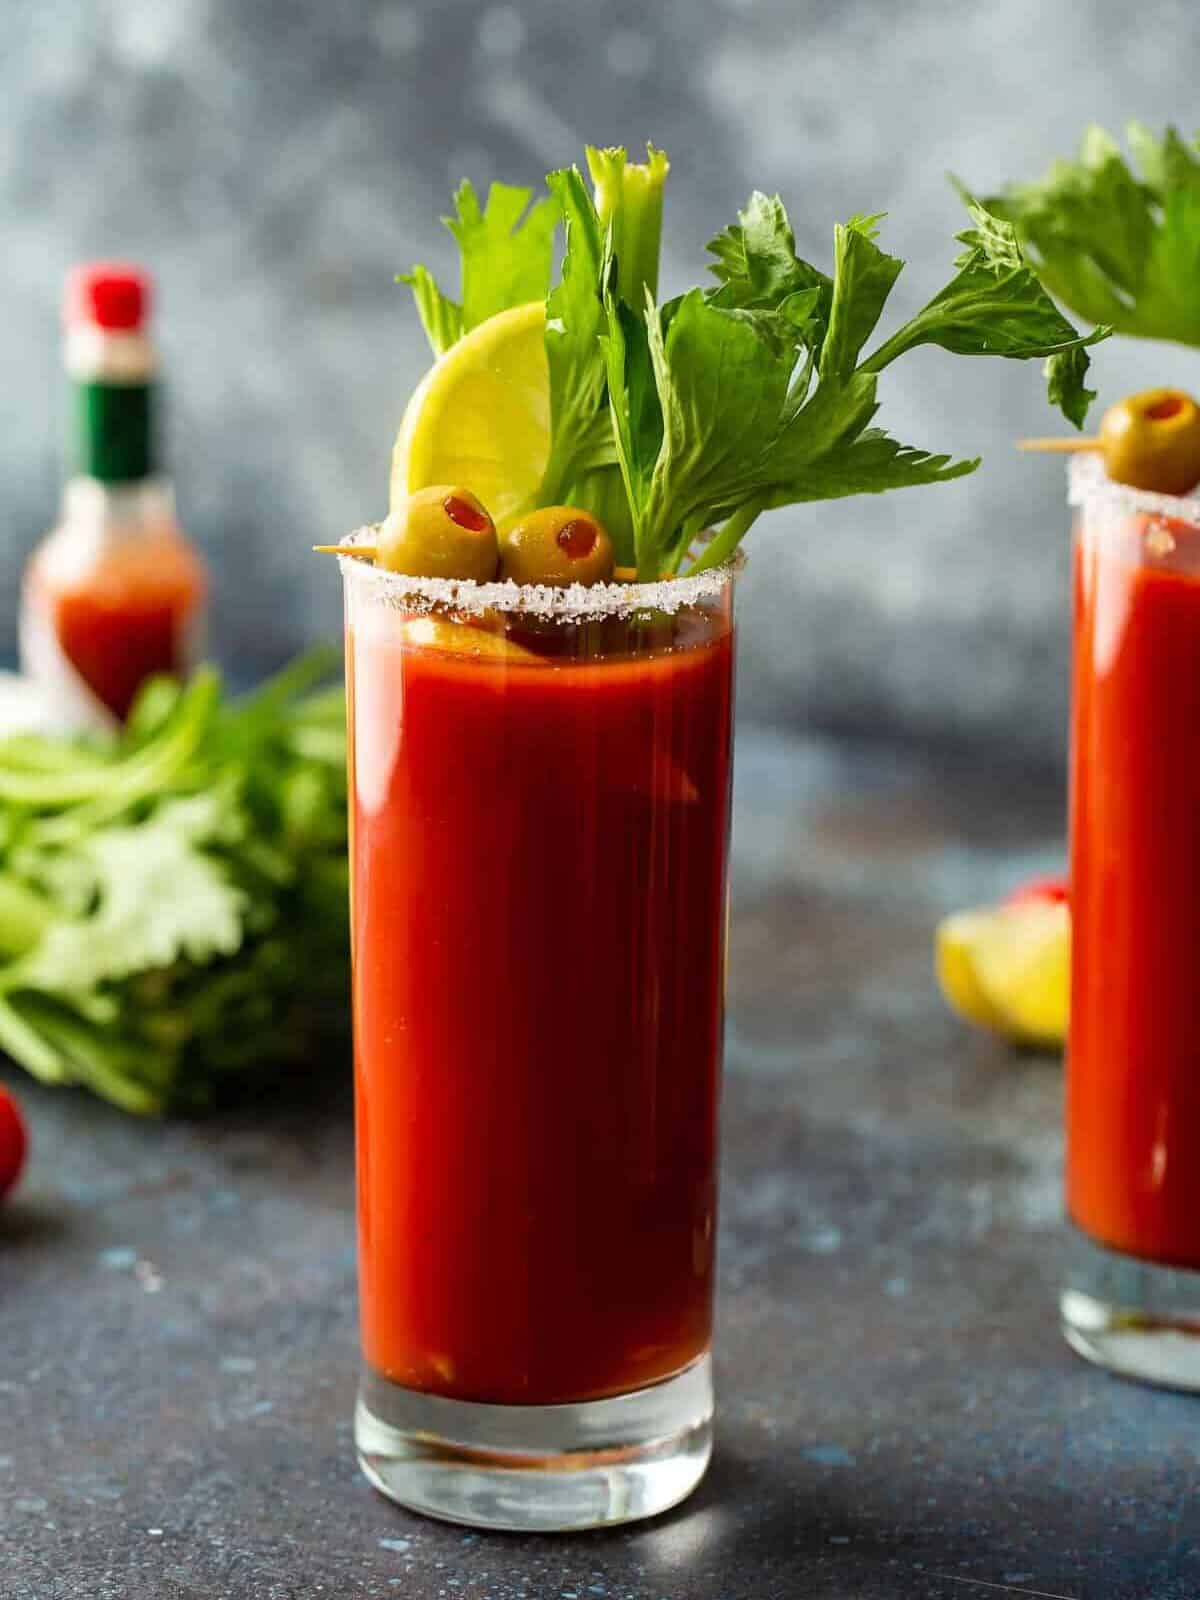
(1115, 242)
(506, 248)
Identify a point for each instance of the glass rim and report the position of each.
(576, 603)
(1088, 484)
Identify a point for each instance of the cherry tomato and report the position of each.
(13, 1142)
(1052, 889)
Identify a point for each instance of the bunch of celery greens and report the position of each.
(173, 900)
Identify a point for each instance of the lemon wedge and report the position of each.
(432, 633)
(954, 959)
(480, 417)
(1008, 968)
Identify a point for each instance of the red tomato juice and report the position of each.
(1133, 1092)
(539, 865)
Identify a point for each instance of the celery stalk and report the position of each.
(628, 213)
(24, 916)
(602, 492)
(629, 199)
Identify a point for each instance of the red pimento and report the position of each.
(465, 514)
(577, 538)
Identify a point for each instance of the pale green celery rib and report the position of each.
(29, 1049)
(24, 916)
(143, 774)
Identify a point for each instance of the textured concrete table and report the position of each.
(897, 1414)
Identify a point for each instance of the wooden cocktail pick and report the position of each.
(367, 552)
(1060, 446)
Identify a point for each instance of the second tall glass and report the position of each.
(1133, 1072)
(539, 842)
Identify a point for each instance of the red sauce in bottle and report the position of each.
(115, 594)
(133, 615)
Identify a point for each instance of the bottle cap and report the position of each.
(107, 294)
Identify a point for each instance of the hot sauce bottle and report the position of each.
(115, 593)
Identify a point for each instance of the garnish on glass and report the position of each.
(1149, 441)
(1120, 243)
(1116, 243)
(655, 423)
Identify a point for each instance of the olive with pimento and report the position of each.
(1152, 441)
(558, 546)
(439, 532)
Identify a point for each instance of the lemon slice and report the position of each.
(431, 633)
(1008, 969)
(480, 417)
(954, 959)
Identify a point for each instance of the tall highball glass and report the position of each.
(1132, 1300)
(539, 834)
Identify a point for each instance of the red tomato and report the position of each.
(13, 1142)
(1052, 889)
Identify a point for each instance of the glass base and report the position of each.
(537, 1468)
(1135, 1318)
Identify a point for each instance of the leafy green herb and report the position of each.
(173, 913)
(863, 278)
(441, 317)
(1065, 388)
(741, 428)
(506, 252)
(757, 264)
(1118, 243)
(626, 216)
(993, 306)
(704, 412)
(721, 379)
(574, 317)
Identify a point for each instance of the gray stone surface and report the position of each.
(898, 1417)
(278, 162)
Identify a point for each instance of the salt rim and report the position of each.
(1088, 484)
(575, 603)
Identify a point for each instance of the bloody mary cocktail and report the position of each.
(1133, 1088)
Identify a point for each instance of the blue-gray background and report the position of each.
(276, 163)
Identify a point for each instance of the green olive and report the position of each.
(441, 532)
(557, 545)
(1152, 441)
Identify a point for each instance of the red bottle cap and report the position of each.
(108, 294)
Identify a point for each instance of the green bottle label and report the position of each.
(110, 431)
